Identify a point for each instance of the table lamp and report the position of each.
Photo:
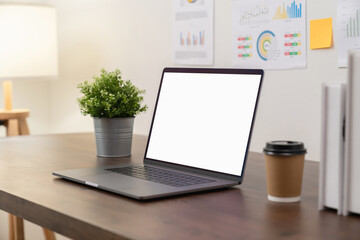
(28, 44)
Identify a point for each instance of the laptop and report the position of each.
(199, 136)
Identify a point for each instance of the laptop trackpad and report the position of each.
(130, 186)
(115, 181)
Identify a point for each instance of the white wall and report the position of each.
(135, 36)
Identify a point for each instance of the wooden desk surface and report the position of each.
(28, 190)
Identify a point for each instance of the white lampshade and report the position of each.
(28, 42)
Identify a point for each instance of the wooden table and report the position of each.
(28, 190)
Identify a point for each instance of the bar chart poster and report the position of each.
(269, 34)
(348, 25)
(193, 28)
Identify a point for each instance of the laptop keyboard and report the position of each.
(160, 175)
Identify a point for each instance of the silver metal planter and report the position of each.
(113, 136)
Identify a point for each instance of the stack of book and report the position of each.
(340, 156)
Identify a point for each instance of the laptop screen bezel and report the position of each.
(227, 176)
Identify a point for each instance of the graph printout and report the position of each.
(269, 34)
(348, 25)
(193, 28)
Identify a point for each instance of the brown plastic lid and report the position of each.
(284, 147)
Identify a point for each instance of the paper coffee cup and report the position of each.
(284, 170)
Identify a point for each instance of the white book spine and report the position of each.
(332, 145)
(352, 142)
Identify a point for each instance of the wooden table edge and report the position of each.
(52, 219)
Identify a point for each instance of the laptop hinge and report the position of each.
(237, 179)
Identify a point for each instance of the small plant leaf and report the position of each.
(109, 96)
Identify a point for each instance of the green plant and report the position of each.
(109, 96)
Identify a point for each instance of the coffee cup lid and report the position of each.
(284, 148)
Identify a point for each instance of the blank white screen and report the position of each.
(204, 120)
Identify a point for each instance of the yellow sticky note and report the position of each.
(320, 33)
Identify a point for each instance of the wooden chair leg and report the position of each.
(12, 127)
(11, 227)
(49, 235)
(23, 127)
(16, 228)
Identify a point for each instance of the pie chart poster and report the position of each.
(269, 34)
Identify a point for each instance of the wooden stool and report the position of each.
(15, 123)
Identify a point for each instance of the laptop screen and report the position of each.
(203, 118)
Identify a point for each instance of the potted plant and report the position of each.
(113, 103)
